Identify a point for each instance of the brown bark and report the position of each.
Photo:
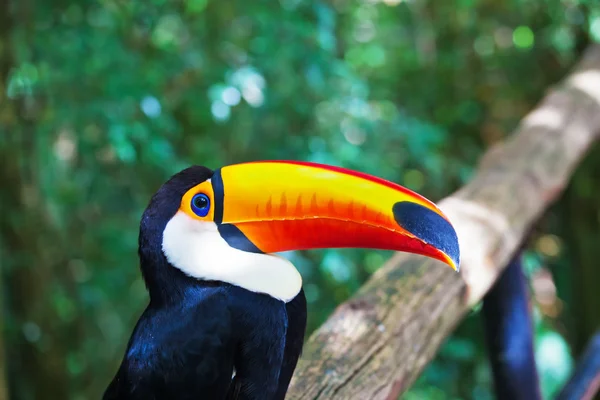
(375, 345)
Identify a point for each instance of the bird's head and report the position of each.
(224, 225)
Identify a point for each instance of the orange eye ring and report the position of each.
(198, 202)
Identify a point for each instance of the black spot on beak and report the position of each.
(428, 226)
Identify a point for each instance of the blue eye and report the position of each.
(200, 204)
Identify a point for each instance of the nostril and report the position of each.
(428, 226)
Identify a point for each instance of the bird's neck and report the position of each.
(203, 254)
(165, 284)
(172, 264)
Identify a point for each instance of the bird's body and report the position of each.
(174, 343)
(227, 318)
(214, 329)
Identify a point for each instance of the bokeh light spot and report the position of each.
(252, 85)
(22, 80)
(355, 135)
(195, 6)
(523, 37)
(336, 267)
(484, 45)
(365, 32)
(231, 96)
(31, 331)
(553, 359)
(595, 28)
(168, 31)
(220, 110)
(64, 147)
(253, 95)
(549, 245)
(503, 37)
(150, 106)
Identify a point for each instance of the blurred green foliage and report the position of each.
(102, 100)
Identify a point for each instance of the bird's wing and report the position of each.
(294, 339)
(235, 389)
(179, 352)
(260, 352)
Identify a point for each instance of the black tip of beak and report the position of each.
(428, 226)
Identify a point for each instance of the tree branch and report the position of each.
(375, 345)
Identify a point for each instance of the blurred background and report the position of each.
(102, 100)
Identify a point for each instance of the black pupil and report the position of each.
(201, 202)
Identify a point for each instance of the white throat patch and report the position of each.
(196, 248)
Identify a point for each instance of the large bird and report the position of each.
(227, 317)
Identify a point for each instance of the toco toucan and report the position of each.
(227, 317)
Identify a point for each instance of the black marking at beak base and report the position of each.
(219, 191)
(230, 233)
(429, 227)
(236, 238)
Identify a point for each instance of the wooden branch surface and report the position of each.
(376, 344)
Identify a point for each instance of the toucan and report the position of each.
(227, 316)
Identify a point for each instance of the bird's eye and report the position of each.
(200, 204)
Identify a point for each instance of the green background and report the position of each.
(102, 100)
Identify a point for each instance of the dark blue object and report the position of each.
(219, 193)
(428, 226)
(509, 336)
(200, 204)
(236, 238)
(585, 381)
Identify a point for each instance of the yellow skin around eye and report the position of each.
(186, 201)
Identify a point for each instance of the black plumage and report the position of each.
(194, 333)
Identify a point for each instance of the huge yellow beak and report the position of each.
(273, 206)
